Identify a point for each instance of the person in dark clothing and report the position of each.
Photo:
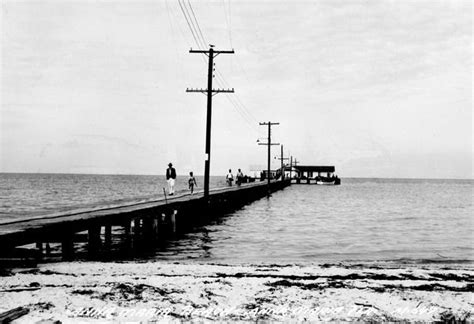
(240, 178)
(192, 182)
(170, 178)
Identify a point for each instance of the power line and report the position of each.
(249, 123)
(200, 40)
(173, 34)
(192, 24)
(243, 107)
(197, 24)
(228, 20)
(189, 25)
(193, 31)
(176, 21)
(242, 112)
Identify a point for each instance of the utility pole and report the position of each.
(291, 166)
(269, 144)
(211, 54)
(295, 163)
(281, 158)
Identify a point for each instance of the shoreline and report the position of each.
(176, 291)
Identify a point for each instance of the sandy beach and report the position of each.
(156, 291)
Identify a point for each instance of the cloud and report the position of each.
(104, 82)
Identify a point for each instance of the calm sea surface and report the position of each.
(23, 195)
(361, 220)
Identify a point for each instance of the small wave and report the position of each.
(440, 260)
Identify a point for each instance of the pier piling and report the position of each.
(94, 241)
(67, 248)
(173, 220)
(39, 247)
(108, 235)
(148, 232)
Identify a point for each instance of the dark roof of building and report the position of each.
(315, 168)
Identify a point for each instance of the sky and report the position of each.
(378, 88)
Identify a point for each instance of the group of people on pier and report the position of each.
(171, 179)
(230, 178)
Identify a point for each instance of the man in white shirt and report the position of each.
(229, 178)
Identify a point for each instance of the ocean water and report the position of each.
(361, 220)
(25, 195)
(421, 221)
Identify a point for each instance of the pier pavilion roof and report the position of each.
(315, 168)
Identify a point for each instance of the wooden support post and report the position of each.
(39, 246)
(126, 228)
(108, 235)
(135, 227)
(148, 229)
(156, 223)
(48, 249)
(126, 232)
(67, 248)
(133, 233)
(173, 220)
(94, 241)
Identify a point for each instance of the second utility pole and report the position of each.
(269, 144)
(282, 164)
(211, 53)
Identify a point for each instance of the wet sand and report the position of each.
(157, 291)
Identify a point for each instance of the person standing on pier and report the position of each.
(170, 177)
(229, 178)
(192, 182)
(240, 177)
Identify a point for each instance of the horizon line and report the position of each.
(213, 175)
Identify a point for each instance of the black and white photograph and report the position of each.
(169, 161)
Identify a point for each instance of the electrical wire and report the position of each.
(242, 106)
(197, 24)
(189, 25)
(173, 34)
(200, 40)
(227, 20)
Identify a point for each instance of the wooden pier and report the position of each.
(145, 221)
